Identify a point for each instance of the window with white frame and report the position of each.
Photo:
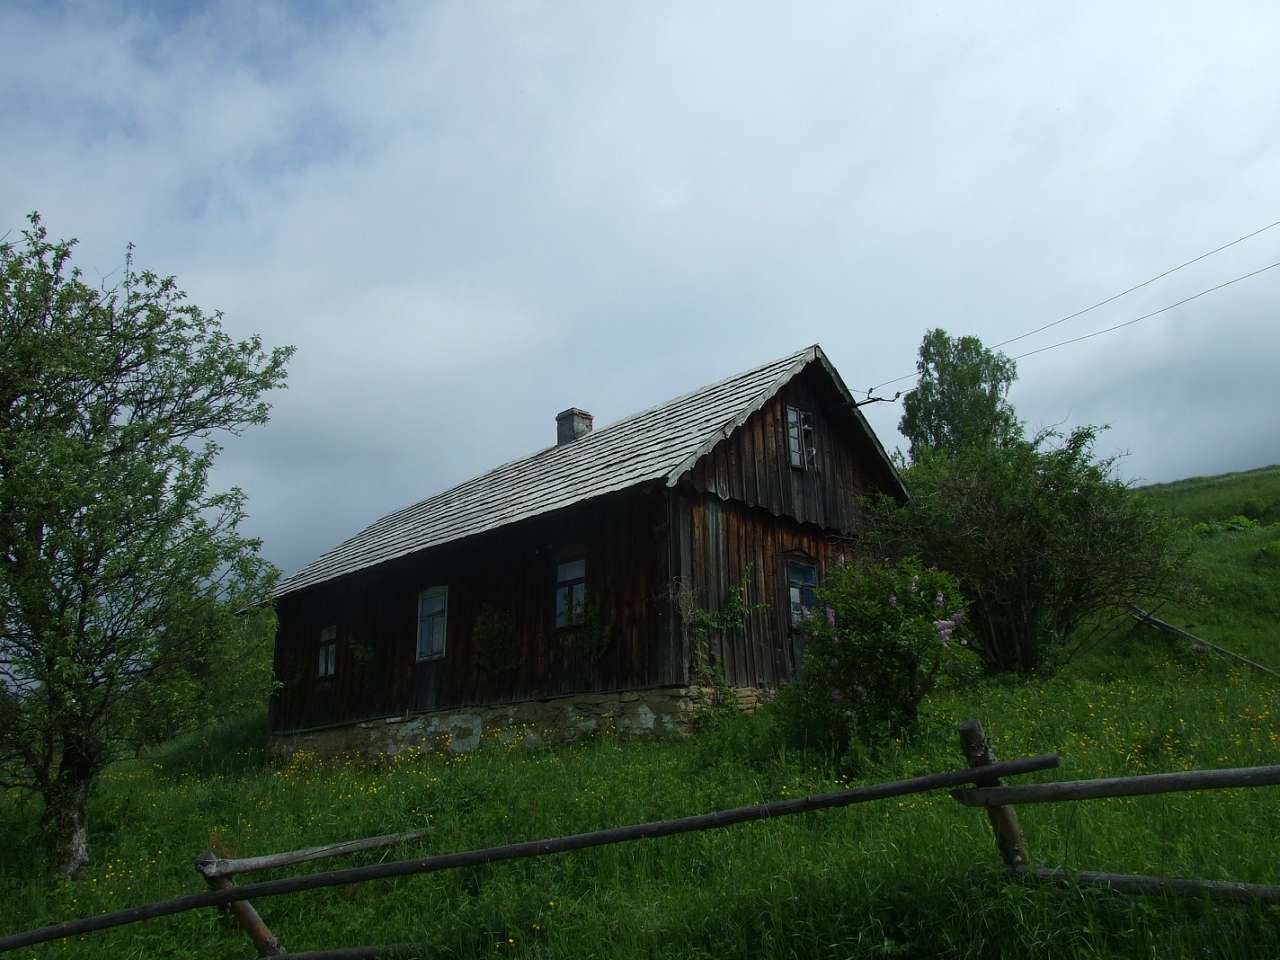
(802, 586)
(328, 652)
(433, 621)
(800, 439)
(571, 593)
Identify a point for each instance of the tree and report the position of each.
(960, 397)
(121, 573)
(1042, 536)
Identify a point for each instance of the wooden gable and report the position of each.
(753, 465)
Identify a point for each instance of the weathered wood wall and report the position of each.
(623, 539)
(721, 543)
(753, 465)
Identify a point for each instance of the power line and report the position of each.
(1111, 299)
(1153, 313)
(1138, 286)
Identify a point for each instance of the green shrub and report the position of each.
(1237, 524)
(873, 649)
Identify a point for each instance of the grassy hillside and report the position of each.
(909, 878)
(1251, 493)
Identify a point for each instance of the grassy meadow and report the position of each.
(914, 877)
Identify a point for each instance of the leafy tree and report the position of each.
(1042, 536)
(959, 399)
(121, 573)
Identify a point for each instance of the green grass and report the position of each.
(912, 877)
(1254, 493)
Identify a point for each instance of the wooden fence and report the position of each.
(982, 780)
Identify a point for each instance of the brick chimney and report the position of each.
(572, 424)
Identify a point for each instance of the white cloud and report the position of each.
(470, 216)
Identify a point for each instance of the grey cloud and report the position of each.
(468, 217)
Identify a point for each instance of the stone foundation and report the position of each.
(659, 711)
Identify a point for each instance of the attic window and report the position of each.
(571, 593)
(328, 652)
(800, 442)
(433, 621)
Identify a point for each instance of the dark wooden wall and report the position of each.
(723, 542)
(623, 538)
(753, 466)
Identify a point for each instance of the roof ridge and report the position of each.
(393, 529)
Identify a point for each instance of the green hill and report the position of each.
(914, 877)
(1250, 493)
(1235, 567)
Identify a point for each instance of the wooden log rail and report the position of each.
(532, 848)
(993, 797)
(213, 866)
(218, 872)
(998, 801)
(1148, 617)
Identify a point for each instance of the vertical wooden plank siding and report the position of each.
(623, 539)
(737, 540)
(847, 464)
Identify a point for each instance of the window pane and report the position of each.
(579, 602)
(562, 606)
(432, 601)
(573, 570)
(333, 659)
(802, 574)
(797, 605)
(324, 660)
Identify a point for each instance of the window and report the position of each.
(433, 618)
(800, 444)
(802, 582)
(328, 652)
(571, 593)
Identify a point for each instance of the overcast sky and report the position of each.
(469, 216)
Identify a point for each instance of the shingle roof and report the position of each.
(658, 444)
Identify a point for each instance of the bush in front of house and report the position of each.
(873, 649)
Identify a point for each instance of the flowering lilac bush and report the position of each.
(872, 650)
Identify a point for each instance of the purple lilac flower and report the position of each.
(939, 599)
(831, 617)
(944, 628)
(837, 695)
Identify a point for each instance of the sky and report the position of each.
(470, 216)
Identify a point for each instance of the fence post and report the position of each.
(1004, 820)
(250, 922)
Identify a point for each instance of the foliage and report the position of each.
(959, 399)
(872, 651)
(703, 624)
(591, 638)
(1042, 536)
(495, 640)
(1236, 524)
(773, 890)
(122, 576)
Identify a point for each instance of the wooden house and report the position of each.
(563, 590)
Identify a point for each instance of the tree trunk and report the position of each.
(66, 815)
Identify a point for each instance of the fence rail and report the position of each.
(532, 848)
(984, 790)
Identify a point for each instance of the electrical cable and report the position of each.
(1113, 298)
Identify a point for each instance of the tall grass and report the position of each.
(918, 876)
